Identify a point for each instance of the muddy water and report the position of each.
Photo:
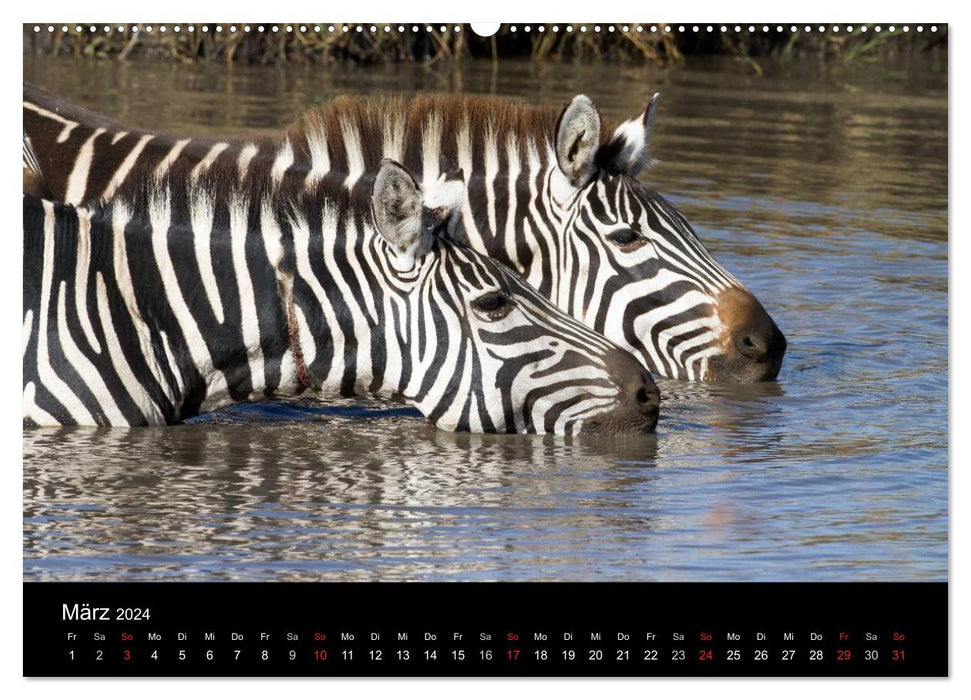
(822, 187)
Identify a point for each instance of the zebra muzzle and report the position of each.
(753, 344)
(638, 399)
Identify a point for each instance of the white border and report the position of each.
(821, 11)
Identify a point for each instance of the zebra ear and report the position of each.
(577, 139)
(442, 198)
(626, 151)
(396, 201)
(407, 216)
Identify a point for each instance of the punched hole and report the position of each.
(485, 29)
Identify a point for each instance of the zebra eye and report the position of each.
(495, 305)
(626, 238)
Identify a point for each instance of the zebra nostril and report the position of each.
(752, 346)
(646, 397)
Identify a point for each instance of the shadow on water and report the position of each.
(822, 187)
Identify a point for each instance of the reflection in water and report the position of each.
(329, 496)
(823, 188)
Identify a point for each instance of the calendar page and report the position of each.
(519, 349)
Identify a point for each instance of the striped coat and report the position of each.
(551, 194)
(185, 294)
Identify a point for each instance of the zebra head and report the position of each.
(657, 290)
(484, 350)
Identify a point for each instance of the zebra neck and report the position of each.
(518, 220)
(213, 302)
(164, 323)
(231, 299)
(348, 307)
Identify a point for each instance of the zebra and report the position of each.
(178, 297)
(548, 193)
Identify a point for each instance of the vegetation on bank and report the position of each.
(328, 43)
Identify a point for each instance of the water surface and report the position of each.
(822, 186)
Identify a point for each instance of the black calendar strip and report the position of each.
(473, 629)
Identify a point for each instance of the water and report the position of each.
(822, 187)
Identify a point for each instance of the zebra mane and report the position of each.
(400, 127)
(183, 190)
(193, 202)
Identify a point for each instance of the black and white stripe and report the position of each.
(548, 194)
(176, 298)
